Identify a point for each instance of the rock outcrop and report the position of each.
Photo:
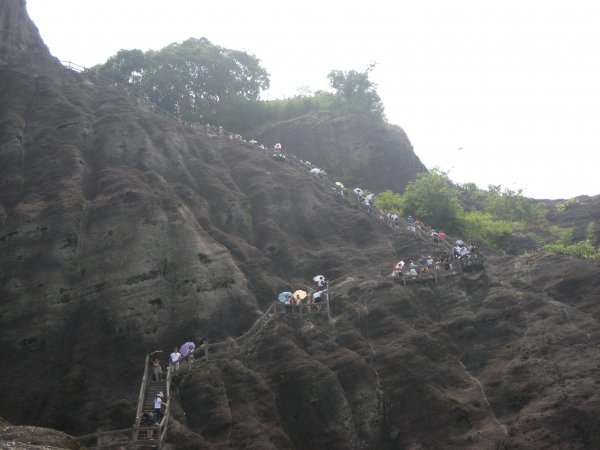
(122, 232)
(35, 438)
(357, 151)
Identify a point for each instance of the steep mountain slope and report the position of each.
(123, 232)
(359, 152)
(481, 361)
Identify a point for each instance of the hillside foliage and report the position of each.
(565, 245)
(190, 78)
(202, 82)
(434, 199)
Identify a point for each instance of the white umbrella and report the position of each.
(459, 242)
(315, 171)
(319, 278)
(337, 183)
(358, 191)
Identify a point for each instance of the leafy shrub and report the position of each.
(483, 226)
(585, 249)
(507, 204)
(389, 202)
(434, 199)
(561, 207)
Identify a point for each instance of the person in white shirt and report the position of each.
(158, 402)
(175, 357)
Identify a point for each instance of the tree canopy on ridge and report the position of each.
(190, 78)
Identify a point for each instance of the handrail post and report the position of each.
(206, 351)
(99, 439)
(134, 436)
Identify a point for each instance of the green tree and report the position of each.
(507, 204)
(126, 67)
(189, 78)
(483, 226)
(434, 199)
(389, 201)
(356, 92)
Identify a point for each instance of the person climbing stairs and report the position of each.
(152, 389)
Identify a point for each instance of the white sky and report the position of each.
(515, 84)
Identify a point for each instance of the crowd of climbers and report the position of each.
(185, 353)
(300, 297)
(277, 152)
(293, 300)
(462, 253)
(420, 267)
(365, 201)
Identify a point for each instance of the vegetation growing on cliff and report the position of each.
(190, 78)
(486, 215)
(203, 82)
(565, 245)
(491, 214)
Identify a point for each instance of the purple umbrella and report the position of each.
(186, 348)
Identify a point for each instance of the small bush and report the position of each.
(484, 227)
(585, 249)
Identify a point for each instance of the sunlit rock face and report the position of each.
(123, 232)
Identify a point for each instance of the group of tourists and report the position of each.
(466, 254)
(414, 224)
(293, 300)
(186, 352)
(365, 201)
(422, 267)
(427, 266)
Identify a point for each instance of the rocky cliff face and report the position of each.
(20, 41)
(356, 151)
(123, 232)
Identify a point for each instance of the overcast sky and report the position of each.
(505, 93)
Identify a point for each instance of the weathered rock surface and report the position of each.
(577, 213)
(35, 438)
(122, 232)
(355, 151)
